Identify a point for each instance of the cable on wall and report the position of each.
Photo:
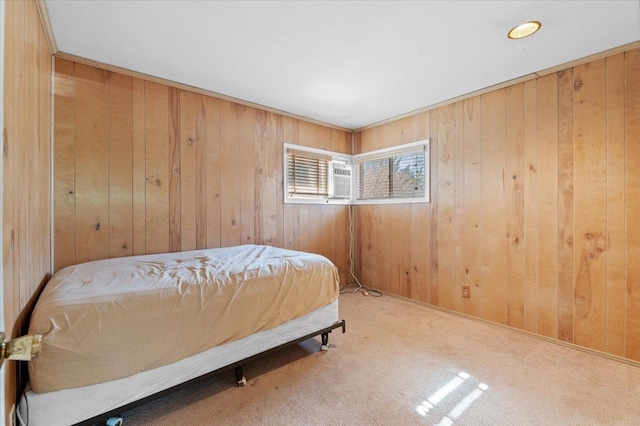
(357, 286)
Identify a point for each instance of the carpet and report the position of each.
(401, 363)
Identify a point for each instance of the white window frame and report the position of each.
(353, 161)
(338, 156)
(388, 153)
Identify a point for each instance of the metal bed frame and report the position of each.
(112, 417)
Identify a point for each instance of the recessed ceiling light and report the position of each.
(524, 30)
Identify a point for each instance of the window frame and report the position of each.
(387, 153)
(318, 152)
(353, 161)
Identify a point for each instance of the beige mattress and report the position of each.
(110, 319)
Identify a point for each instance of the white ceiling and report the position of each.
(347, 63)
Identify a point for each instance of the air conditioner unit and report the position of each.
(339, 179)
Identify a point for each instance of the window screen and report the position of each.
(307, 174)
(394, 175)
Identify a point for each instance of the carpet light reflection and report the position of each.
(439, 395)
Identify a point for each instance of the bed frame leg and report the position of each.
(325, 341)
(240, 379)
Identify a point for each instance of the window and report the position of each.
(316, 176)
(394, 175)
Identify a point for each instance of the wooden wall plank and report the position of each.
(230, 165)
(448, 291)
(175, 173)
(493, 210)
(590, 258)
(565, 205)
(201, 175)
(420, 253)
(616, 238)
(406, 258)
(368, 253)
(139, 171)
(632, 199)
(473, 203)
(279, 179)
(92, 165)
(302, 225)
(16, 18)
(43, 207)
(327, 247)
(531, 212)
(249, 205)
(64, 165)
(120, 165)
(392, 214)
(514, 204)
(157, 167)
(459, 208)
(548, 205)
(267, 161)
(434, 283)
(25, 107)
(381, 235)
(342, 243)
(188, 146)
(213, 170)
(288, 219)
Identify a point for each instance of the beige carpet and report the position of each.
(400, 363)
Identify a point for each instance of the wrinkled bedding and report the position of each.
(109, 319)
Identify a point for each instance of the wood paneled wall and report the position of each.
(26, 173)
(141, 168)
(535, 205)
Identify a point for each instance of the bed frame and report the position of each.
(237, 366)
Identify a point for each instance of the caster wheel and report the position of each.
(242, 382)
(325, 347)
(114, 421)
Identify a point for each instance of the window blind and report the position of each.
(307, 174)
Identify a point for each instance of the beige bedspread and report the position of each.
(109, 319)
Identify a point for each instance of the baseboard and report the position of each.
(519, 331)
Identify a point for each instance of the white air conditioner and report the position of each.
(339, 179)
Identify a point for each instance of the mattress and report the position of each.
(110, 319)
(71, 406)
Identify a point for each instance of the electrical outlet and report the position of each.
(466, 291)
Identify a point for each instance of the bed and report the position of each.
(120, 332)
